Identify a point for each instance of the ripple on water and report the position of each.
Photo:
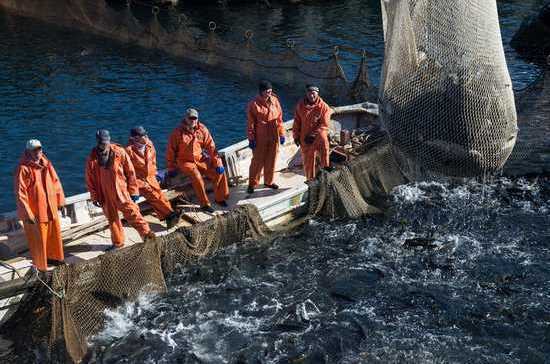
(352, 291)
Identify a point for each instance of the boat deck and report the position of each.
(272, 203)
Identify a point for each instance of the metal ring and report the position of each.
(248, 34)
(155, 10)
(212, 26)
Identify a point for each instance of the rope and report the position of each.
(10, 267)
(58, 295)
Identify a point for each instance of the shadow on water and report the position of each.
(360, 291)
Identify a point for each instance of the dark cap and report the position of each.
(138, 131)
(103, 136)
(311, 87)
(264, 85)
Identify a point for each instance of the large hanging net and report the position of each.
(446, 96)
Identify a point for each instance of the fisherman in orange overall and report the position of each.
(111, 180)
(265, 132)
(191, 150)
(39, 196)
(144, 159)
(310, 130)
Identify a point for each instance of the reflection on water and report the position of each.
(360, 291)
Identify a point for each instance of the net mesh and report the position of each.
(166, 28)
(358, 187)
(61, 326)
(446, 95)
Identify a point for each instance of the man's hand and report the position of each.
(282, 139)
(252, 144)
(96, 203)
(309, 139)
(220, 170)
(134, 198)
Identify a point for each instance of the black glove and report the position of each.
(297, 142)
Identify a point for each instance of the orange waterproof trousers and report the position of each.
(264, 157)
(131, 213)
(157, 200)
(321, 148)
(195, 171)
(45, 243)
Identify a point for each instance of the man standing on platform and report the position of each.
(111, 180)
(191, 150)
(310, 130)
(39, 196)
(265, 132)
(144, 159)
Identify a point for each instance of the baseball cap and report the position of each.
(103, 136)
(33, 144)
(138, 131)
(192, 113)
(312, 88)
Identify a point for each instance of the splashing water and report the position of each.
(456, 273)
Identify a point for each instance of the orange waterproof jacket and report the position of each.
(144, 164)
(311, 119)
(186, 146)
(121, 182)
(38, 190)
(265, 119)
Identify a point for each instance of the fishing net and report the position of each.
(358, 187)
(446, 95)
(166, 28)
(63, 322)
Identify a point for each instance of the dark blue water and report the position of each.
(59, 86)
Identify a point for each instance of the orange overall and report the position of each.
(39, 195)
(265, 126)
(312, 120)
(112, 186)
(145, 165)
(194, 153)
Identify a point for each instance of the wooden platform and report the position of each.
(273, 205)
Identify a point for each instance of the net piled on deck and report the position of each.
(63, 322)
(166, 28)
(354, 189)
(446, 95)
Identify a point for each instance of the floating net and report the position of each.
(63, 322)
(446, 96)
(166, 28)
